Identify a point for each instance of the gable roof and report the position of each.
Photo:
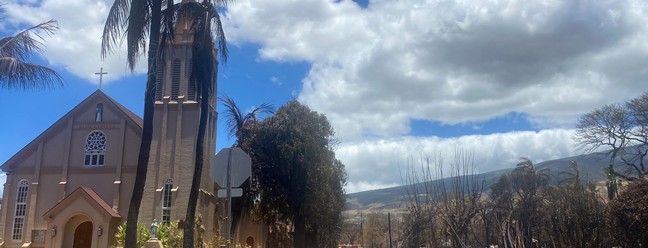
(131, 119)
(82, 193)
(131, 116)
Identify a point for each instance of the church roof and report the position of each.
(85, 193)
(135, 118)
(98, 95)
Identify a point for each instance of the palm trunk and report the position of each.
(188, 239)
(299, 238)
(147, 129)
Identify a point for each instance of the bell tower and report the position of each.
(175, 130)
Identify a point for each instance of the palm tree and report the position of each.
(15, 72)
(236, 121)
(136, 18)
(205, 23)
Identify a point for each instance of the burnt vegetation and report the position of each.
(449, 205)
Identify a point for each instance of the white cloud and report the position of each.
(451, 61)
(373, 70)
(3, 180)
(380, 163)
(76, 46)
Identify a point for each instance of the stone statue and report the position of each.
(154, 227)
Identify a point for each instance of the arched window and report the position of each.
(95, 149)
(99, 112)
(175, 80)
(21, 209)
(166, 201)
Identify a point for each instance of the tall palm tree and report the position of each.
(206, 26)
(136, 19)
(235, 121)
(15, 71)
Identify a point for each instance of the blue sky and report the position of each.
(397, 79)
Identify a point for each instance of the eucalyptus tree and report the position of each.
(15, 70)
(154, 20)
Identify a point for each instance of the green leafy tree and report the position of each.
(15, 70)
(299, 179)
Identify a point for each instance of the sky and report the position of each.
(398, 80)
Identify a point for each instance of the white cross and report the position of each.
(100, 73)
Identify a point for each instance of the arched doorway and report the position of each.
(83, 235)
(249, 241)
(78, 232)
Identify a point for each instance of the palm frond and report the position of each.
(203, 51)
(217, 25)
(263, 109)
(234, 119)
(114, 26)
(22, 45)
(167, 29)
(136, 32)
(14, 74)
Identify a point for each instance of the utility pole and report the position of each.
(361, 230)
(389, 228)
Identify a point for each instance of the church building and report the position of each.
(71, 186)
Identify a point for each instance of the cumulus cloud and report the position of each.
(76, 45)
(382, 163)
(375, 69)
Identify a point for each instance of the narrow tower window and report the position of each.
(166, 201)
(99, 112)
(191, 87)
(21, 209)
(175, 80)
(159, 81)
(95, 149)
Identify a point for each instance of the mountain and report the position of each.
(591, 169)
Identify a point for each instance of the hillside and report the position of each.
(591, 169)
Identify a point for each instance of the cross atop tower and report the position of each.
(101, 73)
